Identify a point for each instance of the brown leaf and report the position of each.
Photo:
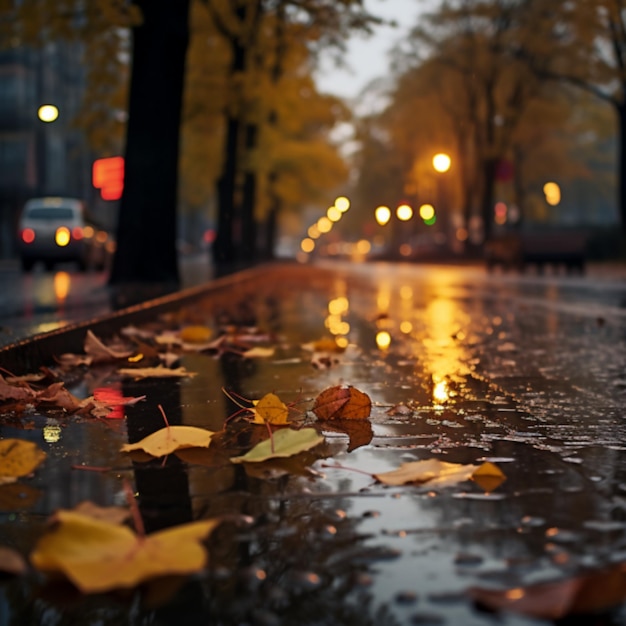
(329, 403)
(593, 592)
(342, 402)
(19, 391)
(58, 395)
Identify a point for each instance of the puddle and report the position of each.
(451, 376)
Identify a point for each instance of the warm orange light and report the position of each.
(342, 203)
(61, 285)
(441, 162)
(307, 245)
(333, 214)
(553, 193)
(404, 212)
(383, 339)
(324, 225)
(77, 233)
(382, 215)
(108, 176)
(62, 236)
(427, 212)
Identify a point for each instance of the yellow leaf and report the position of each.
(195, 334)
(258, 352)
(98, 556)
(488, 476)
(18, 458)
(270, 408)
(171, 438)
(433, 472)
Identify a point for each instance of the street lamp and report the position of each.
(382, 215)
(442, 162)
(47, 113)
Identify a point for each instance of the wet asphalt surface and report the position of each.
(528, 372)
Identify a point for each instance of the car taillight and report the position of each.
(77, 233)
(62, 236)
(28, 235)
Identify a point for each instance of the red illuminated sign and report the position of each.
(108, 177)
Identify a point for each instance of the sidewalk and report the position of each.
(459, 366)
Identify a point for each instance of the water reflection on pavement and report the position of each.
(527, 373)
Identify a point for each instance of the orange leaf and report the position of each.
(342, 402)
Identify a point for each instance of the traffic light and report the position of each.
(108, 177)
(427, 213)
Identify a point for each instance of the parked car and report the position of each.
(57, 230)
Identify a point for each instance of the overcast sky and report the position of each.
(367, 57)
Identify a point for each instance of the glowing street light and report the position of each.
(404, 212)
(333, 213)
(47, 113)
(324, 225)
(442, 162)
(382, 215)
(342, 203)
(552, 192)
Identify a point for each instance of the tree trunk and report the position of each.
(489, 174)
(226, 247)
(146, 232)
(248, 200)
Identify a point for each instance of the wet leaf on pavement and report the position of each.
(98, 556)
(171, 438)
(433, 472)
(284, 443)
(18, 458)
(342, 402)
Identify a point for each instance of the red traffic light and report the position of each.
(108, 177)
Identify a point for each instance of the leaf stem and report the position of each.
(134, 509)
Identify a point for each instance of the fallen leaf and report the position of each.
(258, 352)
(57, 395)
(589, 593)
(270, 409)
(195, 334)
(171, 438)
(284, 443)
(342, 402)
(12, 562)
(155, 372)
(18, 458)
(19, 391)
(433, 472)
(97, 556)
(108, 402)
(101, 353)
(488, 476)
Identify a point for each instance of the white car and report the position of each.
(56, 230)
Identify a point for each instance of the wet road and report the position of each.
(527, 372)
(39, 301)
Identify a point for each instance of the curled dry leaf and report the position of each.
(101, 353)
(18, 458)
(19, 391)
(171, 438)
(98, 556)
(342, 402)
